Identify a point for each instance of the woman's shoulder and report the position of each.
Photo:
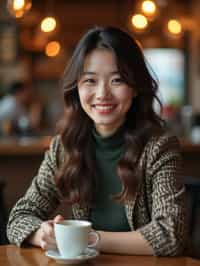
(55, 142)
(164, 142)
(161, 151)
(56, 147)
(163, 139)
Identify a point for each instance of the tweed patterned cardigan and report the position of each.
(157, 210)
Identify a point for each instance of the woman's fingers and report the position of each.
(48, 246)
(47, 235)
(58, 218)
(47, 228)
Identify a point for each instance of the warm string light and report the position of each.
(147, 12)
(148, 8)
(174, 27)
(18, 8)
(18, 4)
(139, 21)
(48, 24)
(52, 48)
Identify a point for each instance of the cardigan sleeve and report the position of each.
(40, 200)
(167, 231)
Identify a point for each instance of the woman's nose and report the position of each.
(102, 90)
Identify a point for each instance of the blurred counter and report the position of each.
(20, 161)
(24, 146)
(188, 146)
(37, 145)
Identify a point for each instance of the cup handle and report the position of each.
(97, 236)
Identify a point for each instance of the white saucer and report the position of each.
(87, 255)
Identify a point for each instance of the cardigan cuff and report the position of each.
(22, 228)
(162, 244)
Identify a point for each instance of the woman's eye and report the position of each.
(117, 81)
(89, 81)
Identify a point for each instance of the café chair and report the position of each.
(192, 185)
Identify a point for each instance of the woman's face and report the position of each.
(104, 96)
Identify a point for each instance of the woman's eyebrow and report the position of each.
(94, 73)
(88, 73)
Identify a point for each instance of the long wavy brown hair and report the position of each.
(76, 178)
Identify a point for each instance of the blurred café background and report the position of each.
(36, 40)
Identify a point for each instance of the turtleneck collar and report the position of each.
(113, 141)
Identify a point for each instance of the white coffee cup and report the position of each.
(72, 237)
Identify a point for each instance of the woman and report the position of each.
(112, 161)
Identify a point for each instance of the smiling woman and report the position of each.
(104, 95)
(112, 161)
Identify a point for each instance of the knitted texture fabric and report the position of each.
(157, 210)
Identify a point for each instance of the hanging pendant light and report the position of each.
(49, 23)
(17, 8)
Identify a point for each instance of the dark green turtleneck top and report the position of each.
(107, 214)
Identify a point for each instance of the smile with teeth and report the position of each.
(104, 107)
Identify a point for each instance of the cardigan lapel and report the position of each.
(130, 204)
(129, 207)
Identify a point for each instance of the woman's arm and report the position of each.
(165, 234)
(167, 230)
(39, 202)
(131, 243)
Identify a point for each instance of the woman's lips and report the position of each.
(104, 108)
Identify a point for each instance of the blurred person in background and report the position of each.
(20, 110)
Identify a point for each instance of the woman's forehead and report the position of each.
(100, 58)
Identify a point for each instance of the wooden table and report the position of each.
(13, 256)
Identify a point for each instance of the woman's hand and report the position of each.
(44, 237)
(94, 239)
